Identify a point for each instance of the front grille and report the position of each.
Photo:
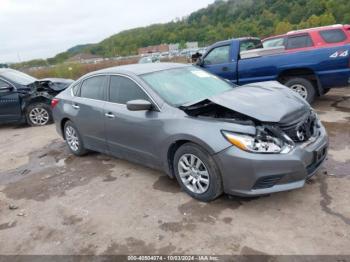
(303, 130)
(267, 181)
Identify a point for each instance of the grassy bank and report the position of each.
(76, 70)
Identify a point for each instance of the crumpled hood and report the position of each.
(56, 84)
(264, 101)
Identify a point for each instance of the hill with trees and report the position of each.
(223, 19)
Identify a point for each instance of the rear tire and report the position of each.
(39, 114)
(303, 87)
(197, 173)
(73, 139)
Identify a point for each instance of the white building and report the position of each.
(192, 45)
(174, 47)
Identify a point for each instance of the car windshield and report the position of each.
(184, 85)
(18, 77)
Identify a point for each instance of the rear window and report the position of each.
(250, 44)
(333, 35)
(299, 41)
(93, 88)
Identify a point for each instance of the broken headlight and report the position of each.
(258, 144)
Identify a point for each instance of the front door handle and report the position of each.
(110, 115)
(75, 106)
(225, 69)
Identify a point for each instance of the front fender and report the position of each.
(206, 134)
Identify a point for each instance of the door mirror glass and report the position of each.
(138, 105)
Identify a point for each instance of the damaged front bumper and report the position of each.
(249, 174)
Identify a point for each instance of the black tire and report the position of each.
(215, 188)
(305, 84)
(44, 117)
(80, 149)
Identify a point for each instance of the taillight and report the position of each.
(54, 102)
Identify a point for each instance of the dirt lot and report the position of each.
(54, 203)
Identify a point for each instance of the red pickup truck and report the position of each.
(299, 40)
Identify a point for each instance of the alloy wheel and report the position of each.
(72, 138)
(39, 116)
(193, 173)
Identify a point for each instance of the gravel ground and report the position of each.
(54, 203)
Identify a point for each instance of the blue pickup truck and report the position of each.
(311, 72)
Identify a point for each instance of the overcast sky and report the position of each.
(42, 28)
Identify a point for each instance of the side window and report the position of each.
(333, 35)
(75, 89)
(4, 84)
(299, 41)
(93, 88)
(249, 44)
(218, 55)
(123, 89)
(275, 42)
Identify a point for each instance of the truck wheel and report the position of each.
(197, 173)
(39, 114)
(303, 87)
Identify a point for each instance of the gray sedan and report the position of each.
(211, 136)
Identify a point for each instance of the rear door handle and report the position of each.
(110, 115)
(75, 106)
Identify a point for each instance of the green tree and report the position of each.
(283, 27)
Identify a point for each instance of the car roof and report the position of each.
(2, 70)
(337, 26)
(313, 29)
(139, 69)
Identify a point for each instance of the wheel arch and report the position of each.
(175, 145)
(37, 99)
(303, 72)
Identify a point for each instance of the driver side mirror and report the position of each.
(139, 105)
(200, 61)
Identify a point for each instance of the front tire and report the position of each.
(39, 114)
(73, 139)
(303, 87)
(197, 173)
